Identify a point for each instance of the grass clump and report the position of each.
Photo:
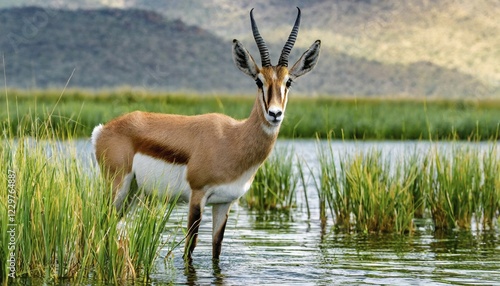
(61, 213)
(452, 186)
(365, 194)
(274, 186)
(489, 202)
(455, 193)
(465, 186)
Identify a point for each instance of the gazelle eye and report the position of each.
(289, 83)
(259, 83)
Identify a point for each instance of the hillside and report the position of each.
(456, 35)
(109, 48)
(114, 47)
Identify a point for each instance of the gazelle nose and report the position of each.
(275, 114)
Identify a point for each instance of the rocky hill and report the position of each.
(109, 47)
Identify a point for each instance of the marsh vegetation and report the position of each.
(66, 228)
(384, 118)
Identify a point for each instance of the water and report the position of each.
(295, 250)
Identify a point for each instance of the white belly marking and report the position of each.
(231, 191)
(155, 175)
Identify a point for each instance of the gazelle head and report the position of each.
(273, 82)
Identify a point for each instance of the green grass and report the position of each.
(274, 186)
(345, 118)
(367, 193)
(65, 225)
(464, 186)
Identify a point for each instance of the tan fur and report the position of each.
(220, 154)
(216, 148)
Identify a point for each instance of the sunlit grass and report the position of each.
(275, 184)
(65, 224)
(453, 186)
(366, 194)
(464, 186)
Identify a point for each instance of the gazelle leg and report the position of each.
(123, 191)
(196, 205)
(219, 214)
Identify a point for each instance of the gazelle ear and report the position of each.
(243, 60)
(307, 61)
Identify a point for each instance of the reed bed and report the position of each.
(366, 193)
(275, 184)
(57, 218)
(465, 187)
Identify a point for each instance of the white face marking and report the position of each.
(270, 129)
(157, 175)
(261, 77)
(275, 76)
(232, 191)
(283, 88)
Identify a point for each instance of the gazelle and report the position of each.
(209, 158)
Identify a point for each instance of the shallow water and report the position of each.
(294, 249)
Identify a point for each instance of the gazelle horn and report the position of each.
(283, 61)
(264, 52)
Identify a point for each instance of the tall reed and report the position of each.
(274, 186)
(465, 186)
(364, 193)
(367, 192)
(380, 201)
(455, 188)
(416, 172)
(490, 188)
(331, 193)
(65, 225)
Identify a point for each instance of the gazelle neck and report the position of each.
(257, 136)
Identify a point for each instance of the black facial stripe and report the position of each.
(259, 83)
(269, 95)
(264, 100)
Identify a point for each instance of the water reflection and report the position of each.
(190, 273)
(192, 278)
